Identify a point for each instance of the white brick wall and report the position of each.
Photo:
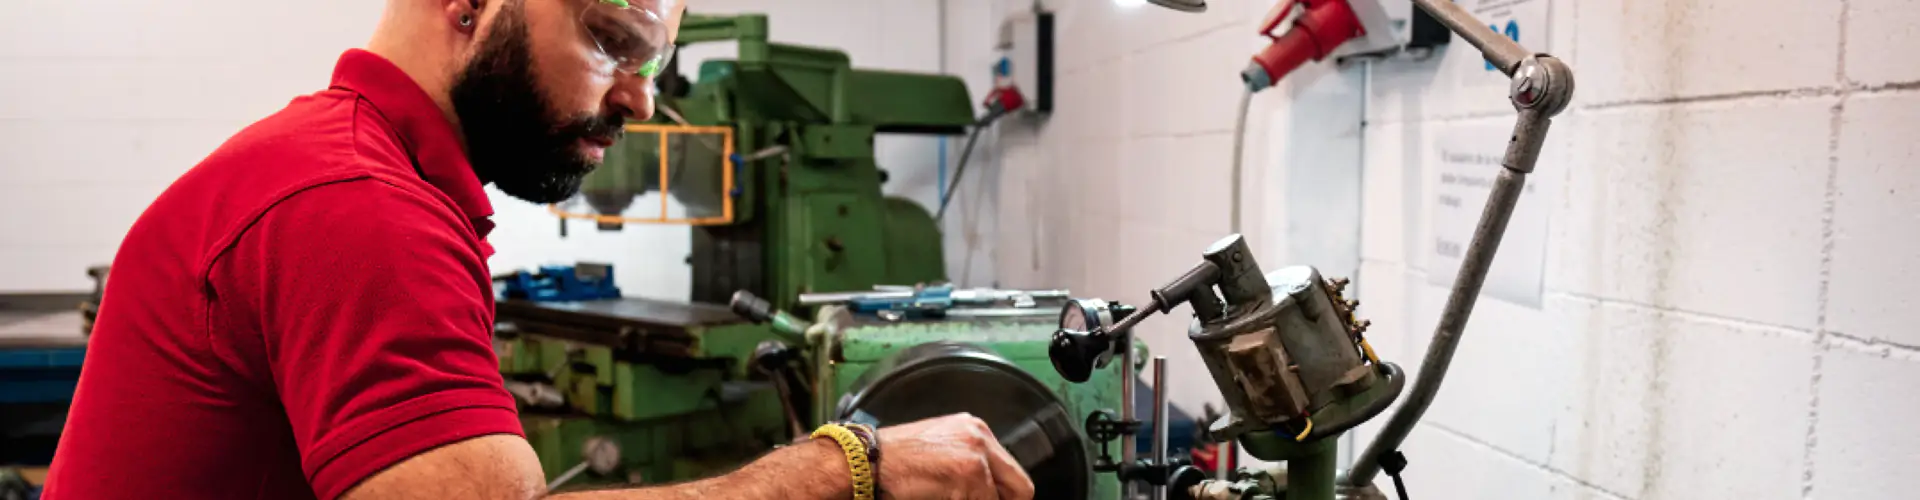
(1730, 256)
(104, 104)
(1880, 34)
(1875, 287)
(1662, 207)
(1866, 437)
(1689, 48)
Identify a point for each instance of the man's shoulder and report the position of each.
(316, 138)
(331, 139)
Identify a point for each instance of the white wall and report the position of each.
(103, 105)
(1729, 247)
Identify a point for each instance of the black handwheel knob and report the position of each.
(1076, 354)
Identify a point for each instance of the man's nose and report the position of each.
(632, 96)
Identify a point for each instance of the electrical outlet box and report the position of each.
(1392, 25)
(1026, 46)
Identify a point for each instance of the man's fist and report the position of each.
(955, 456)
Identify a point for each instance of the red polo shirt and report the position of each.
(307, 306)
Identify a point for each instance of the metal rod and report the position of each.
(1239, 148)
(1127, 444)
(1453, 320)
(1503, 52)
(971, 295)
(565, 477)
(823, 376)
(1125, 326)
(1160, 420)
(1223, 460)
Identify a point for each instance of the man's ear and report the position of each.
(673, 20)
(463, 15)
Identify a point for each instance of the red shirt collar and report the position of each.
(426, 133)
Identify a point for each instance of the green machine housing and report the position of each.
(674, 386)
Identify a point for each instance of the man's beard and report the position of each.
(514, 137)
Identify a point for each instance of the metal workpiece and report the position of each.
(1503, 52)
(1160, 419)
(1453, 322)
(1290, 356)
(1240, 280)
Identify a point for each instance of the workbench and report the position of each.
(40, 355)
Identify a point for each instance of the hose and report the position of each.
(1239, 145)
(961, 169)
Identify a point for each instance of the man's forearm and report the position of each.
(813, 469)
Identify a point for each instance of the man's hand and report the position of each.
(955, 456)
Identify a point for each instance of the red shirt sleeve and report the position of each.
(366, 308)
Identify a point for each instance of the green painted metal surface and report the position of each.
(914, 252)
(820, 223)
(674, 419)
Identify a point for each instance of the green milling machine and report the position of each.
(770, 159)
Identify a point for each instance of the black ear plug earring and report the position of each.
(466, 20)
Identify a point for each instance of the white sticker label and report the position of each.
(1469, 164)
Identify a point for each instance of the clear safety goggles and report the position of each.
(633, 34)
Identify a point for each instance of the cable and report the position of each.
(1393, 463)
(1239, 145)
(961, 169)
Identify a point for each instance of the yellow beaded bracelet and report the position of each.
(856, 458)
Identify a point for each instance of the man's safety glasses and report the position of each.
(631, 33)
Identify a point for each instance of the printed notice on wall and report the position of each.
(1469, 163)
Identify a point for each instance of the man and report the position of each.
(308, 313)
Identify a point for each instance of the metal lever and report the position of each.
(758, 310)
(1541, 87)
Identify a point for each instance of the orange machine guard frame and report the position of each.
(726, 179)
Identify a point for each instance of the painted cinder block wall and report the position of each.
(1732, 246)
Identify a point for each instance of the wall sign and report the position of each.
(1469, 162)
